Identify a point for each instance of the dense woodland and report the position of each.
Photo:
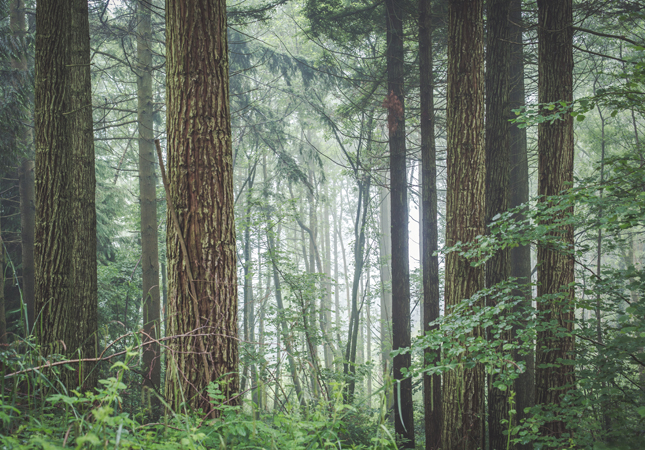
(320, 224)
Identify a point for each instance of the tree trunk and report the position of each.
(27, 226)
(498, 268)
(148, 205)
(360, 229)
(201, 235)
(385, 250)
(429, 231)
(283, 323)
(463, 393)
(65, 243)
(326, 309)
(3, 317)
(83, 187)
(519, 194)
(403, 417)
(555, 174)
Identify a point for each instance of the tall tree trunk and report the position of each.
(3, 317)
(65, 243)
(83, 187)
(385, 253)
(27, 227)
(463, 393)
(326, 309)
(429, 230)
(498, 268)
(519, 194)
(286, 336)
(403, 417)
(148, 205)
(201, 235)
(360, 230)
(555, 174)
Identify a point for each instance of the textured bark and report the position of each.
(403, 417)
(429, 231)
(148, 205)
(463, 393)
(498, 268)
(65, 244)
(202, 303)
(519, 194)
(27, 228)
(555, 174)
(83, 187)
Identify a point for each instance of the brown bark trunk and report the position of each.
(27, 226)
(403, 417)
(148, 205)
(202, 304)
(463, 394)
(429, 230)
(519, 194)
(65, 244)
(498, 268)
(83, 187)
(555, 174)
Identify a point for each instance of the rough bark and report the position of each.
(463, 393)
(202, 303)
(498, 268)
(555, 174)
(519, 194)
(429, 230)
(27, 227)
(403, 417)
(65, 243)
(148, 205)
(83, 186)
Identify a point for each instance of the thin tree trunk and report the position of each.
(519, 194)
(27, 228)
(3, 318)
(148, 205)
(555, 174)
(201, 227)
(463, 393)
(385, 250)
(429, 230)
(326, 309)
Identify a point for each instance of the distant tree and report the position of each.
(463, 388)
(148, 205)
(202, 275)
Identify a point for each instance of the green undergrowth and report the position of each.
(98, 420)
